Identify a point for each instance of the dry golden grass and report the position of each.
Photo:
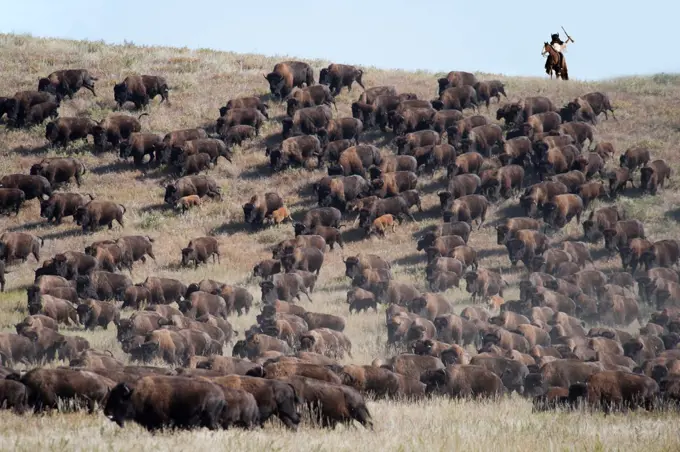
(202, 81)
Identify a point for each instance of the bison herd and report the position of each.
(540, 157)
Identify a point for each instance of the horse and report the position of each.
(554, 62)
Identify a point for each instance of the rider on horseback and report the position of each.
(559, 46)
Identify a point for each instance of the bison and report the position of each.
(139, 89)
(336, 76)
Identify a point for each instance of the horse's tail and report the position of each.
(565, 71)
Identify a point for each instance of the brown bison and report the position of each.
(484, 283)
(463, 381)
(102, 285)
(288, 75)
(654, 175)
(482, 139)
(307, 259)
(283, 286)
(94, 313)
(600, 103)
(370, 95)
(456, 78)
(41, 112)
(622, 233)
(59, 170)
(519, 112)
(599, 220)
(297, 150)
(191, 185)
(336, 76)
(11, 199)
(199, 250)
(663, 253)
(67, 82)
(307, 121)
(444, 119)
(559, 211)
(240, 117)
(507, 231)
(214, 147)
(99, 213)
(487, 90)
(456, 98)
(47, 386)
(525, 245)
(32, 186)
(19, 245)
(175, 139)
(310, 96)
(140, 89)
(468, 208)
(114, 129)
(236, 135)
(634, 158)
(342, 129)
(19, 106)
(246, 102)
(65, 130)
(157, 402)
(615, 390)
(261, 207)
(139, 145)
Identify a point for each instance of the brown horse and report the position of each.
(553, 63)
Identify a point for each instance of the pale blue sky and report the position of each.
(497, 36)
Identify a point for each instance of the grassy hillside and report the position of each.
(202, 81)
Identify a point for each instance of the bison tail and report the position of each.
(90, 195)
(42, 241)
(82, 167)
(143, 114)
(149, 239)
(124, 209)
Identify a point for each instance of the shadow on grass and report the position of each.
(353, 235)
(491, 252)
(63, 234)
(113, 167)
(411, 259)
(26, 151)
(430, 185)
(304, 203)
(156, 208)
(601, 254)
(377, 138)
(27, 226)
(433, 213)
(673, 214)
(176, 265)
(271, 141)
(259, 171)
(234, 227)
(513, 210)
(338, 287)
